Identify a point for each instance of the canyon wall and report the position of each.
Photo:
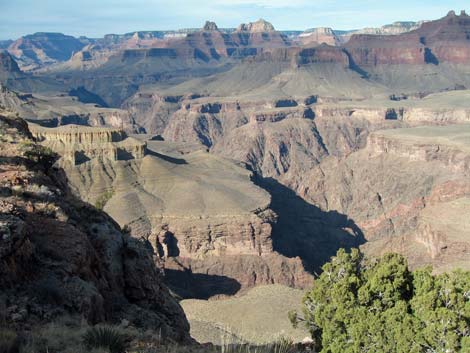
(200, 213)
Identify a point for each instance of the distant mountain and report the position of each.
(40, 49)
(320, 35)
(390, 29)
(443, 40)
(5, 43)
(337, 37)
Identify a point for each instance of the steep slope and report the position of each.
(60, 256)
(9, 68)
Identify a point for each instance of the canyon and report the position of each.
(248, 156)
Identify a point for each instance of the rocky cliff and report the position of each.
(440, 41)
(62, 109)
(9, 68)
(393, 186)
(60, 256)
(317, 36)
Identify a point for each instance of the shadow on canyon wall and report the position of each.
(187, 284)
(305, 230)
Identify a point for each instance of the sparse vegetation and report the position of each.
(379, 305)
(104, 198)
(105, 337)
(71, 335)
(257, 317)
(9, 342)
(38, 154)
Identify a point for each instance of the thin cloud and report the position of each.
(273, 4)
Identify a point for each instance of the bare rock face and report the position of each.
(61, 256)
(9, 68)
(210, 26)
(81, 143)
(394, 28)
(444, 40)
(317, 36)
(258, 26)
(62, 110)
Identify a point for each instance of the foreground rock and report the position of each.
(60, 256)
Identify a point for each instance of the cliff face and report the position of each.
(9, 69)
(58, 110)
(61, 256)
(400, 190)
(317, 36)
(444, 40)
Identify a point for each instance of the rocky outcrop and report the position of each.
(394, 28)
(79, 144)
(9, 68)
(60, 256)
(62, 110)
(151, 110)
(444, 40)
(317, 36)
(210, 26)
(258, 26)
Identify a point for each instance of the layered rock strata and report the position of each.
(200, 213)
(78, 144)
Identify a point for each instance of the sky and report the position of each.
(94, 18)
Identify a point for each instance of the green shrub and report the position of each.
(38, 154)
(103, 199)
(105, 337)
(379, 305)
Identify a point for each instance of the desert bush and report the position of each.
(105, 337)
(38, 154)
(103, 199)
(64, 335)
(379, 305)
(9, 341)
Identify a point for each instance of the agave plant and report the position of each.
(105, 337)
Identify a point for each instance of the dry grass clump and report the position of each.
(72, 335)
(9, 341)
